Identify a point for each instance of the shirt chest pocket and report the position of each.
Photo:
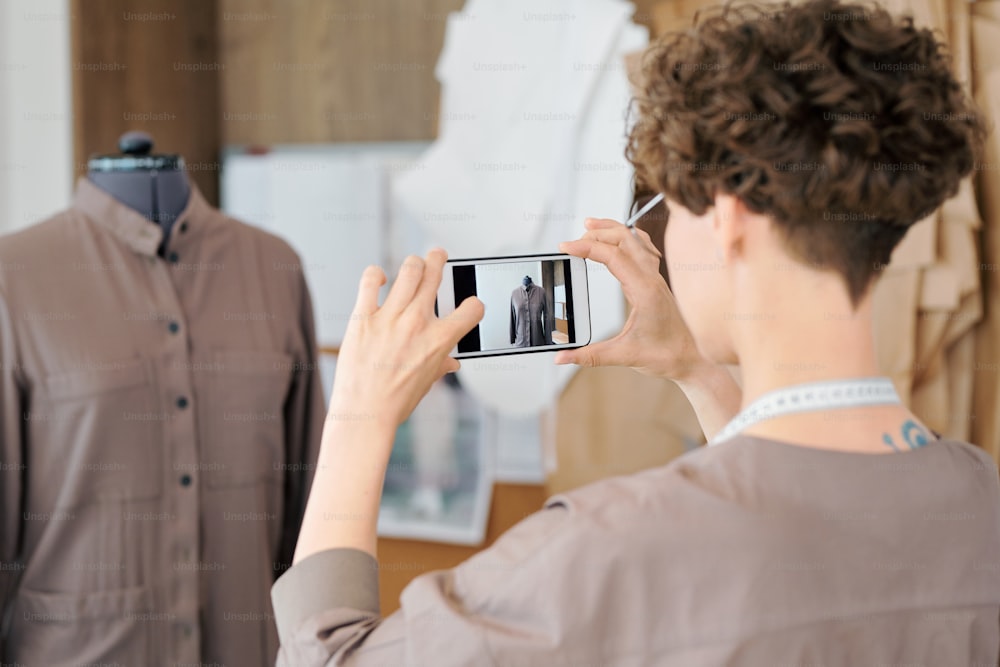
(245, 418)
(96, 435)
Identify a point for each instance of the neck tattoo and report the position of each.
(913, 434)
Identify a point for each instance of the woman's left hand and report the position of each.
(391, 355)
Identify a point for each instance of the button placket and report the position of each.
(177, 232)
(180, 441)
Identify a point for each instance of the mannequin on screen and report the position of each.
(530, 315)
(154, 185)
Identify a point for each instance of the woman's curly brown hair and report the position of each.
(840, 122)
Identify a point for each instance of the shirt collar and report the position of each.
(133, 228)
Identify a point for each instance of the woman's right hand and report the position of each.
(655, 339)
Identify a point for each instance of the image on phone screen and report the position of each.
(533, 303)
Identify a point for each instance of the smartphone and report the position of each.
(534, 303)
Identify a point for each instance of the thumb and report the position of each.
(464, 318)
(589, 356)
(449, 365)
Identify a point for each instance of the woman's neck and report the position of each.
(811, 341)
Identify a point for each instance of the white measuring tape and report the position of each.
(823, 395)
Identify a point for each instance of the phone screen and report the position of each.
(529, 304)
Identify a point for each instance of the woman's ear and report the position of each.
(728, 227)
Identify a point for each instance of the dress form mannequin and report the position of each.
(154, 185)
(116, 339)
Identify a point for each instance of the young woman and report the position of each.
(825, 524)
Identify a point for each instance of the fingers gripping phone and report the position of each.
(534, 303)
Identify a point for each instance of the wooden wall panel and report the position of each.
(321, 71)
(147, 65)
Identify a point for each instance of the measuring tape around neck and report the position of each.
(810, 396)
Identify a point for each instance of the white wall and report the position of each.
(36, 148)
(494, 283)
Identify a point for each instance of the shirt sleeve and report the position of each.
(513, 321)
(550, 316)
(304, 415)
(12, 465)
(484, 611)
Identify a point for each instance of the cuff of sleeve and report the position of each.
(331, 579)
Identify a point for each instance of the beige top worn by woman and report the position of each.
(750, 552)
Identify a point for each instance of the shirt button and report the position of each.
(185, 480)
(173, 327)
(174, 257)
(186, 628)
(182, 402)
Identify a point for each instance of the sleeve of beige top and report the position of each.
(327, 610)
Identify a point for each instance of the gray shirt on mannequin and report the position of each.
(530, 317)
